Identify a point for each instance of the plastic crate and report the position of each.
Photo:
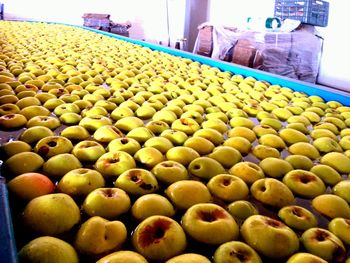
(313, 12)
(96, 20)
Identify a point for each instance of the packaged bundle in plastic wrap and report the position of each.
(293, 53)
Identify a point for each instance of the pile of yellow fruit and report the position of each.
(114, 152)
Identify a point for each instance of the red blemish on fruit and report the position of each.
(226, 182)
(297, 211)
(109, 193)
(305, 178)
(273, 223)
(210, 216)
(321, 235)
(167, 164)
(135, 176)
(9, 116)
(124, 141)
(153, 233)
(52, 143)
(241, 255)
(43, 151)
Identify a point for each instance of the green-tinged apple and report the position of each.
(47, 121)
(150, 205)
(48, 249)
(129, 145)
(269, 237)
(28, 186)
(148, 156)
(261, 130)
(75, 132)
(24, 162)
(305, 149)
(272, 192)
(169, 172)
(140, 134)
(107, 133)
(160, 143)
(212, 135)
(326, 145)
(121, 112)
(297, 217)
(60, 164)
(178, 138)
(300, 162)
(329, 175)
(338, 161)
(200, 145)
(241, 210)
(182, 154)
(292, 136)
(157, 127)
(97, 236)
(304, 183)
(51, 214)
(303, 257)
(113, 164)
(228, 187)
(205, 167)
(242, 132)
(331, 206)
(109, 202)
(209, 224)
(273, 141)
(275, 167)
(137, 181)
(189, 258)
(226, 155)
(249, 172)
(159, 238)
(235, 252)
(324, 244)
(179, 191)
(70, 118)
(186, 125)
(342, 189)
(88, 151)
(53, 145)
(80, 182)
(93, 122)
(13, 147)
(262, 152)
(123, 256)
(341, 228)
(129, 123)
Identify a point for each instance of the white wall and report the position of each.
(334, 70)
(236, 12)
(148, 18)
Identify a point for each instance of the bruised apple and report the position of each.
(269, 237)
(158, 238)
(236, 251)
(210, 224)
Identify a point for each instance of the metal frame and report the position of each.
(8, 251)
